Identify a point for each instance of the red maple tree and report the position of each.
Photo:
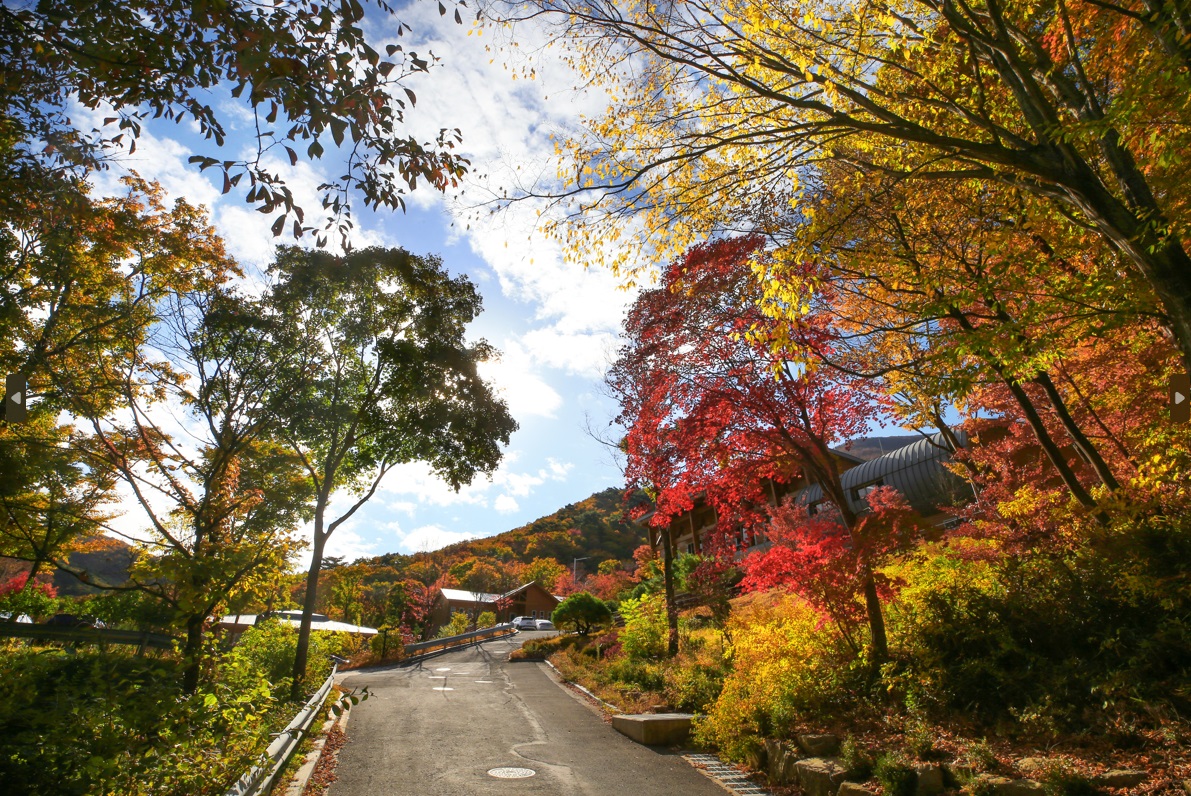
(713, 408)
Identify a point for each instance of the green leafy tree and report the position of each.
(83, 280)
(582, 612)
(377, 372)
(305, 71)
(222, 499)
(543, 571)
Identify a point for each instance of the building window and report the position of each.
(690, 547)
(861, 492)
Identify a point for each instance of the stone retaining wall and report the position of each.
(808, 761)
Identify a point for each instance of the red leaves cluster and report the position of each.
(819, 559)
(17, 584)
(710, 405)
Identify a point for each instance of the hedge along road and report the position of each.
(437, 728)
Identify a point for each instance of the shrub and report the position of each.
(88, 722)
(644, 633)
(38, 600)
(457, 626)
(856, 760)
(694, 687)
(784, 669)
(485, 619)
(1046, 637)
(266, 651)
(582, 612)
(1058, 779)
(896, 775)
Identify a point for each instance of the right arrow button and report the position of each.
(1180, 398)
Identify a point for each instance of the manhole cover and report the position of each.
(511, 773)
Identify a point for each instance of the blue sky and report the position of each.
(554, 323)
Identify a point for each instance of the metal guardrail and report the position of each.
(463, 639)
(261, 778)
(87, 635)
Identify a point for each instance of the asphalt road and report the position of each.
(438, 728)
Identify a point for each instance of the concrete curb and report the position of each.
(607, 706)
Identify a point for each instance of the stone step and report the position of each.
(654, 729)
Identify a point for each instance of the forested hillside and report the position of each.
(595, 528)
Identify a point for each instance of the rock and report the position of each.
(773, 755)
(854, 789)
(819, 745)
(787, 772)
(1028, 765)
(930, 779)
(782, 757)
(756, 756)
(819, 776)
(1003, 786)
(1120, 778)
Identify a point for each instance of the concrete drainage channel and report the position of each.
(726, 775)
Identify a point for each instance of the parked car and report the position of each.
(545, 624)
(525, 623)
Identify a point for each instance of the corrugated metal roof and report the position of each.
(248, 620)
(915, 470)
(465, 596)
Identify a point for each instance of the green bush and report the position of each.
(266, 651)
(694, 688)
(637, 675)
(645, 632)
(1058, 779)
(1047, 638)
(896, 775)
(485, 619)
(458, 625)
(856, 760)
(581, 612)
(87, 722)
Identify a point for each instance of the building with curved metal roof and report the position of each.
(916, 470)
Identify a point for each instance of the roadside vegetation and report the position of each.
(89, 721)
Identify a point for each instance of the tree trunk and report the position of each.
(1080, 440)
(192, 653)
(308, 603)
(876, 619)
(668, 580)
(1049, 446)
(879, 640)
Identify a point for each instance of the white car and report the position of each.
(545, 624)
(525, 623)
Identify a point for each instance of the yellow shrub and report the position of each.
(778, 657)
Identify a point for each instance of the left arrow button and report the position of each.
(15, 397)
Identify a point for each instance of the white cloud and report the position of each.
(347, 543)
(418, 483)
(430, 537)
(402, 506)
(515, 379)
